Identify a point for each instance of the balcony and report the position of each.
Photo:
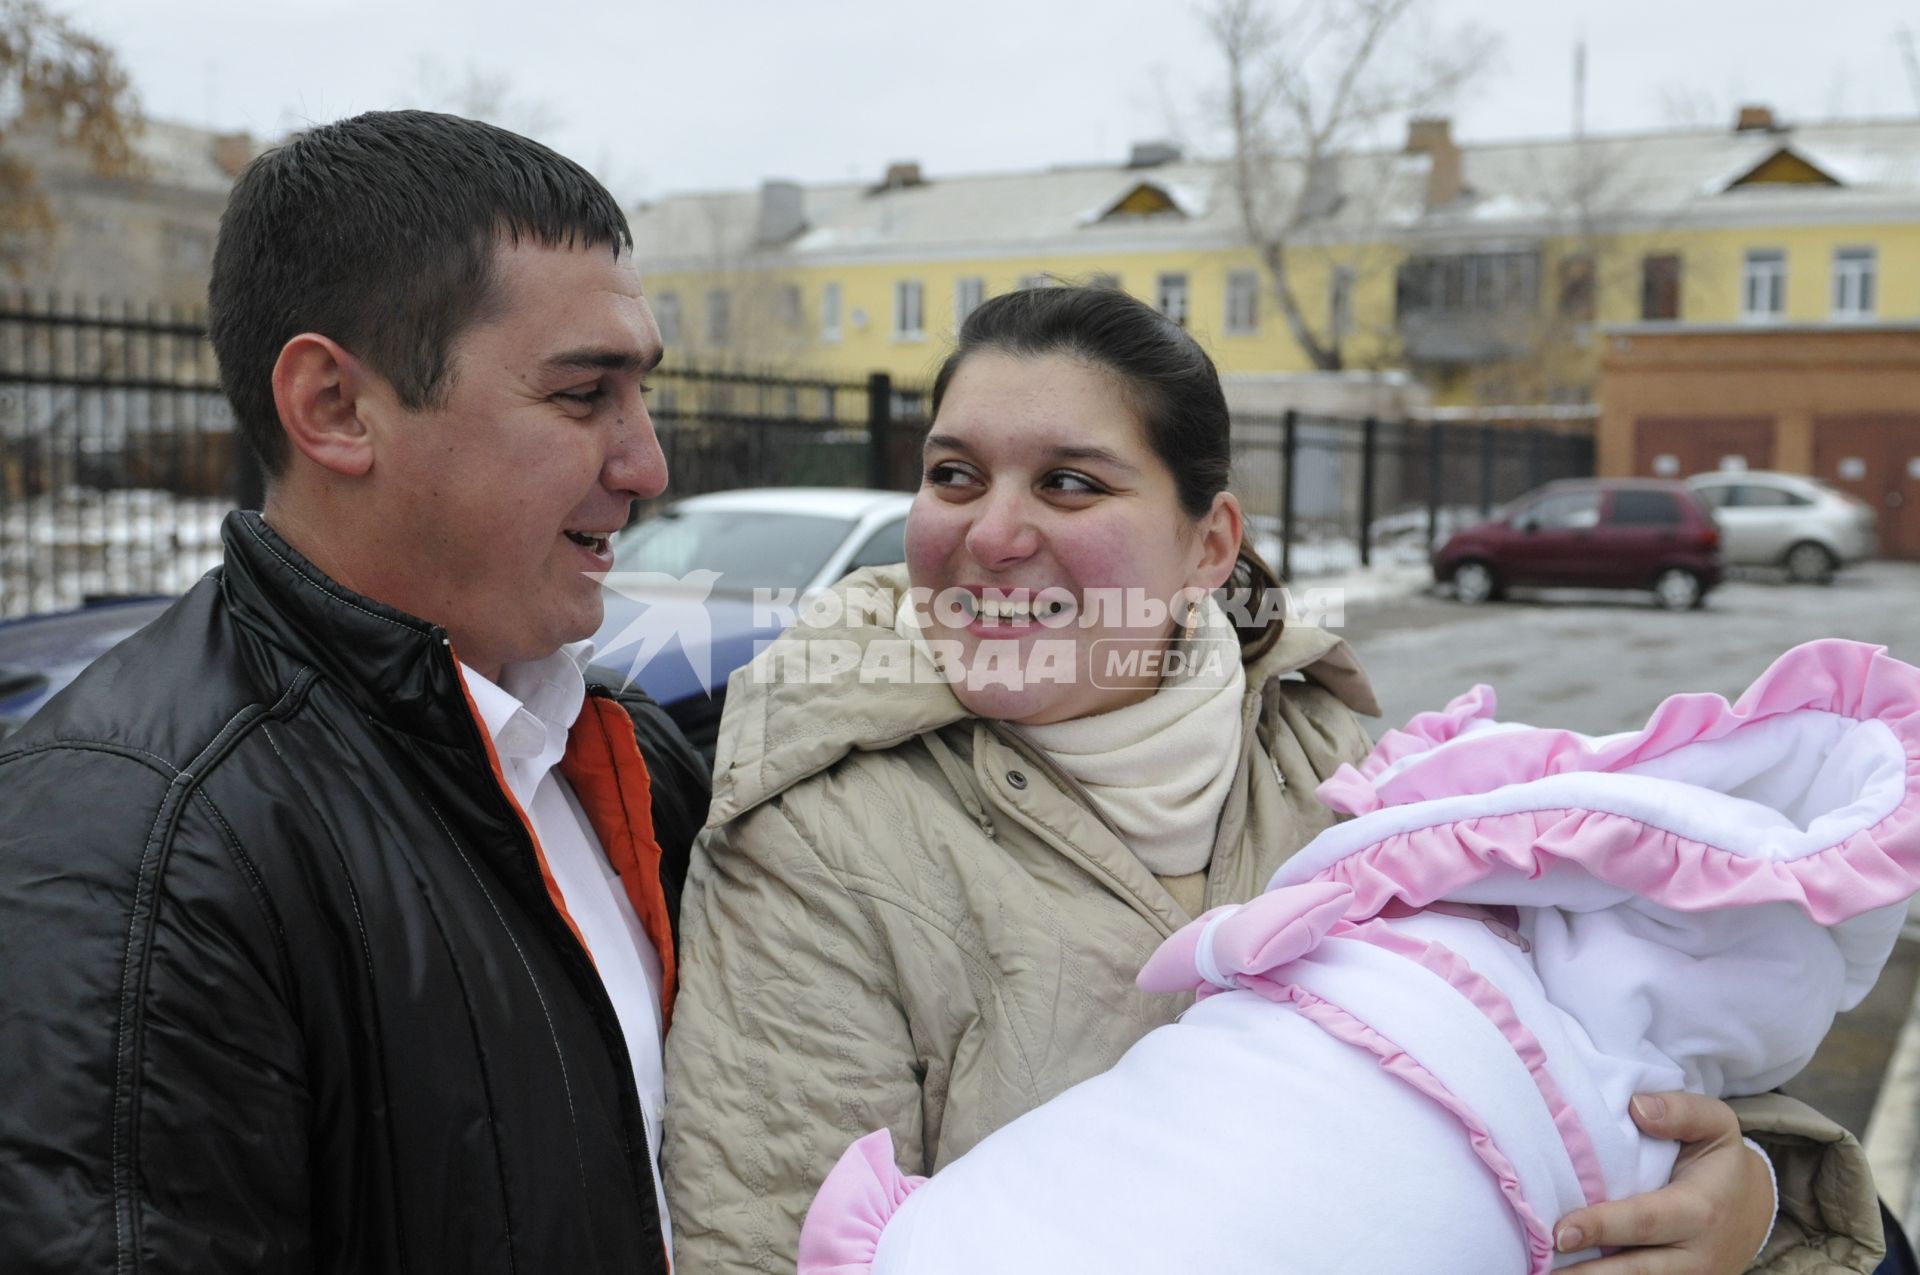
(1471, 307)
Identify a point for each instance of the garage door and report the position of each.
(1677, 446)
(1876, 458)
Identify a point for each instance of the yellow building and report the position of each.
(1486, 272)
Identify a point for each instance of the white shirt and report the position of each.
(528, 715)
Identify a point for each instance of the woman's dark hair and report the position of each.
(1170, 383)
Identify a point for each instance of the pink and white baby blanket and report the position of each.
(1414, 1052)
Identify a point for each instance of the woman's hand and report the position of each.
(1710, 1218)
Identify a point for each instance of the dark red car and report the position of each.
(1627, 533)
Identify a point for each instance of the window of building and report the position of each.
(1170, 297)
(1482, 282)
(790, 305)
(830, 312)
(1660, 286)
(968, 293)
(1103, 279)
(1340, 302)
(1036, 281)
(666, 312)
(719, 317)
(1763, 284)
(909, 310)
(1854, 271)
(1243, 302)
(1577, 288)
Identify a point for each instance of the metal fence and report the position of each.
(118, 458)
(116, 452)
(1326, 493)
(723, 430)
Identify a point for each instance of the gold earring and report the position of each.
(1192, 625)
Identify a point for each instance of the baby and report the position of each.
(1415, 1050)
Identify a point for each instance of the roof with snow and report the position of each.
(1798, 174)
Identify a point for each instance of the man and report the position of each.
(335, 911)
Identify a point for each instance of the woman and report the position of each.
(923, 898)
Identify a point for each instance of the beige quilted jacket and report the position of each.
(902, 916)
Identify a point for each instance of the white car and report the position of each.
(789, 541)
(1787, 520)
(802, 538)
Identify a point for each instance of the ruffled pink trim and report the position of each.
(864, 1191)
(1492, 1002)
(1248, 946)
(1873, 868)
(1342, 1026)
(1351, 788)
(1832, 675)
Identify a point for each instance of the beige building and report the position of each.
(142, 239)
(1482, 272)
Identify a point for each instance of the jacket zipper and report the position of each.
(602, 1001)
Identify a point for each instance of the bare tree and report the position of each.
(57, 81)
(1909, 60)
(1303, 89)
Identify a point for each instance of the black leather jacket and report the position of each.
(281, 986)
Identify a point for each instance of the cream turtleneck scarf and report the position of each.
(1159, 770)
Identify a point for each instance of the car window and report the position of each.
(1717, 496)
(1635, 508)
(1562, 511)
(885, 546)
(1754, 496)
(749, 550)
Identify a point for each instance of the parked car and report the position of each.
(1787, 520)
(40, 654)
(723, 548)
(1591, 534)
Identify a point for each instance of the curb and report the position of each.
(1893, 1130)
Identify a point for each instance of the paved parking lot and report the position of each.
(1600, 662)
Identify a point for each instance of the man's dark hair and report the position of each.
(379, 232)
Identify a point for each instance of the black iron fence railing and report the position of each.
(118, 457)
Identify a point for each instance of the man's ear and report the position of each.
(1220, 532)
(319, 389)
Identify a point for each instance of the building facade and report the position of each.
(1486, 274)
(139, 239)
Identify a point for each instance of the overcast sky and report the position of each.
(705, 94)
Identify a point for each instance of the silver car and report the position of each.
(1787, 520)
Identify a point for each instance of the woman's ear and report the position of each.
(319, 390)
(1220, 530)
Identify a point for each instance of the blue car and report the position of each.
(40, 654)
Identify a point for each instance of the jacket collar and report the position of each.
(396, 668)
(779, 730)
